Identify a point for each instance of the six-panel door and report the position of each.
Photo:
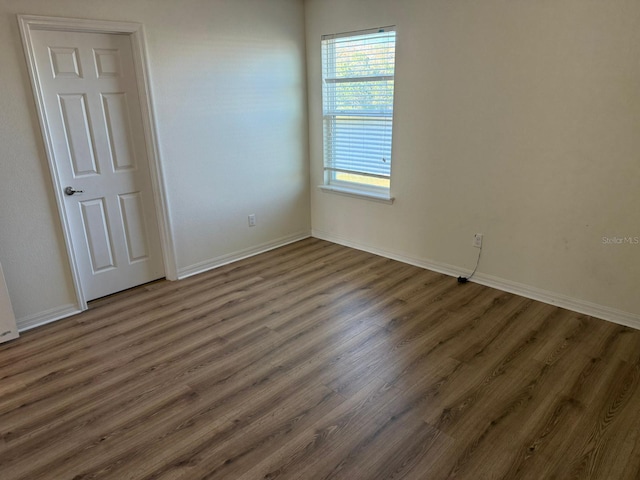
(94, 119)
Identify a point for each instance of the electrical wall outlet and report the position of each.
(252, 220)
(477, 240)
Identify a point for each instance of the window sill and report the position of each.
(351, 192)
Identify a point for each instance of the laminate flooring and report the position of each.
(317, 361)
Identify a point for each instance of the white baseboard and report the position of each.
(577, 305)
(48, 316)
(58, 313)
(207, 265)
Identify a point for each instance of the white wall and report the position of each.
(517, 119)
(228, 79)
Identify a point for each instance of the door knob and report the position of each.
(71, 191)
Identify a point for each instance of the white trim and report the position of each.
(48, 316)
(207, 265)
(362, 194)
(158, 184)
(27, 23)
(577, 305)
(58, 313)
(355, 33)
(41, 22)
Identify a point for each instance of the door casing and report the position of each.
(135, 31)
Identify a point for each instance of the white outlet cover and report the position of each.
(477, 240)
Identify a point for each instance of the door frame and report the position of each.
(135, 31)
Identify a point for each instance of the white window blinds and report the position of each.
(358, 80)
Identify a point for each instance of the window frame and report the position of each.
(330, 116)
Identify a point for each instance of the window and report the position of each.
(357, 95)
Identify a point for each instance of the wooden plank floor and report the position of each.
(317, 361)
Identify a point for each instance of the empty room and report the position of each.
(319, 239)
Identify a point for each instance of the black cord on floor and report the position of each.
(462, 279)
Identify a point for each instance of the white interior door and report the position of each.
(92, 112)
